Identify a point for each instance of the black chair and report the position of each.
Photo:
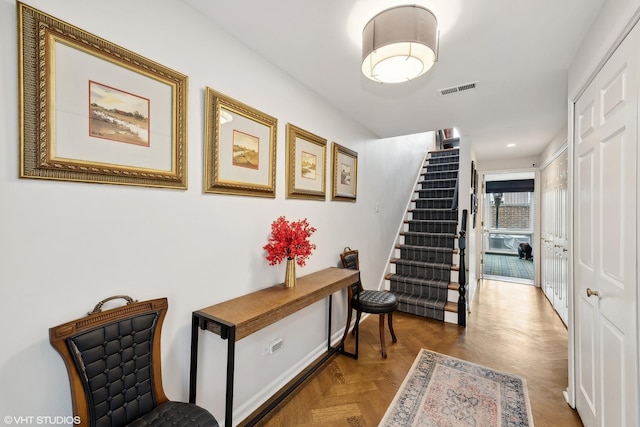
(113, 361)
(368, 301)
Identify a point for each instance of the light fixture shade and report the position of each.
(399, 44)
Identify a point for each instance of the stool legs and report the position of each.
(382, 344)
(383, 347)
(393, 334)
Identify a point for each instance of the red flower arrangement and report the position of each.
(289, 240)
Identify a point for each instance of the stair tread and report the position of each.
(426, 248)
(452, 221)
(451, 307)
(432, 209)
(417, 281)
(427, 233)
(440, 265)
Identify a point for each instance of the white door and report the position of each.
(554, 235)
(605, 230)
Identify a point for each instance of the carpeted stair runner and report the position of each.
(423, 271)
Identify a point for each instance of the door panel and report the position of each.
(586, 364)
(613, 385)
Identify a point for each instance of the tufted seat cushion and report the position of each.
(176, 413)
(375, 301)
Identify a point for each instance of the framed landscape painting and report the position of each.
(240, 148)
(345, 174)
(306, 164)
(92, 111)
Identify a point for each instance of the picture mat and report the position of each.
(229, 173)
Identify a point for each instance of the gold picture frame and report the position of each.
(345, 174)
(92, 111)
(306, 164)
(240, 148)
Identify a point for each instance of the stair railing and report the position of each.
(462, 273)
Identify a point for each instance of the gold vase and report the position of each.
(290, 274)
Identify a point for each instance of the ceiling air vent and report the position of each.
(459, 88)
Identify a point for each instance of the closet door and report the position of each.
(554, 235)
(605, 230)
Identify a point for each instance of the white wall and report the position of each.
(610, 25)
(64, 246)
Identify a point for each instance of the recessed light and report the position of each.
(511, 145)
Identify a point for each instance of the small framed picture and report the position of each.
(240, 148)
(306, 164)
(345, 174)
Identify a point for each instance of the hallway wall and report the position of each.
(65, 246)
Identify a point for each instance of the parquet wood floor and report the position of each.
(512, 328)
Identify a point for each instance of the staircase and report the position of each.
(421, 275)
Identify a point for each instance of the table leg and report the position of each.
(231, 355)
(193, 370)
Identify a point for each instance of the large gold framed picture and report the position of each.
(306, 164)
(92, 111)
(345, 174)
(240, 148)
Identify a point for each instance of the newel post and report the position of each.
(462, 273)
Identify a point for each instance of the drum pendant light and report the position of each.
(399, 44)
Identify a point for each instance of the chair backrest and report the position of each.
(350, 260)
(113, 361)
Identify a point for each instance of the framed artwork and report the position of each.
(240, 148)
(473, 174)
(92, 111)
(306, 164)
(345, 174)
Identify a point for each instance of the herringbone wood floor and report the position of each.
(512, 328)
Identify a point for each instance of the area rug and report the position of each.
(446, 392)
(508, 266)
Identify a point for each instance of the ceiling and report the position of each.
(518, 52)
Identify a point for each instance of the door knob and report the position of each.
(590, 292)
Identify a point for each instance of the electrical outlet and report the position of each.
(273, 346)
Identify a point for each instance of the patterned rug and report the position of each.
(441, 391)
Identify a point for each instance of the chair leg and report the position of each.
(393, 334)
(382, 345)
(346, 328)
(358, 314)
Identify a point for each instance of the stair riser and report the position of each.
(448, 158)
(436, 194)
(438, 183)
(435, 215)
(433, 203)
(430, 176)
(441, 167)
(427, 312)
(426, 256)
(424, 272)
(428, 240)
(421, 291)
(432, 227)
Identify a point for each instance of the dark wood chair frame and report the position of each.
(63, 339)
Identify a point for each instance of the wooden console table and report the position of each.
(237, 318)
